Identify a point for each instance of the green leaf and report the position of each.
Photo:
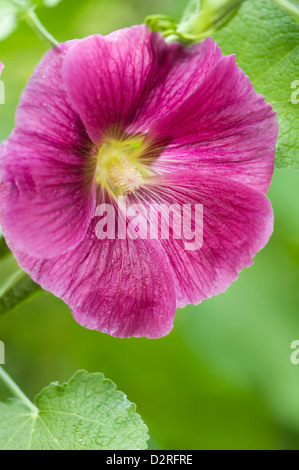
(265, 39)
(18, 289)
(292, 7)
(87, 413)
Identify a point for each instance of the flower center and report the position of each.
(119, 167)
(125, 175)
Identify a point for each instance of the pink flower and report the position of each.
(129, 114)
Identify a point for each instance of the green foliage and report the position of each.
(292, 7)
(265, 39)
(87, 413)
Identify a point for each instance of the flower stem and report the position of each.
(33, 21)
(17, 392)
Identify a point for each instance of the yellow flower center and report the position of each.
(125, 175)
(119, 166)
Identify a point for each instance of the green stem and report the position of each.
(289, 7)
(4, 250)
(33, 21)
(17, 392)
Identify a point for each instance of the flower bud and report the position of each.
(201, 18)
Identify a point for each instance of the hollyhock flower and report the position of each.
(128, 114)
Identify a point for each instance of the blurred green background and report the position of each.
(223, 378)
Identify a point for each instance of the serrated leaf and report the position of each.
(265, 39)
(87, 413)
(18, 289)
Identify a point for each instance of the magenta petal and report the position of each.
(224, 127)
(132, 77)
(44, 113)
(120, 287)
(237, 223)
(4, 192)
(106, 78)
(52, 195)
(181, 71)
